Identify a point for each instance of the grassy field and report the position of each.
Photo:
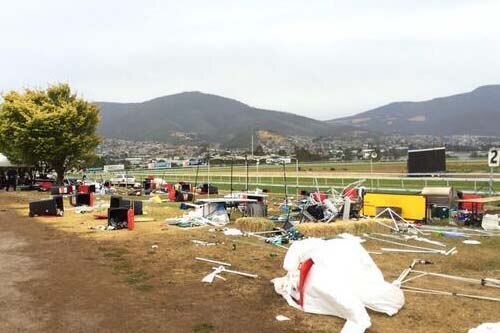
(398, 167)
(467, 176)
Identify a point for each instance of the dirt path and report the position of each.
(52, 282)
(57, 281)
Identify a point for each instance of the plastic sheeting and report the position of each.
(343, 281)
(491, 222)
(486, 328)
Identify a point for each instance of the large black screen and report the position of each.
(427, 161)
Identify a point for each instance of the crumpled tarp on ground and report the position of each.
(486, 328)
(343, 281)
(195, 218)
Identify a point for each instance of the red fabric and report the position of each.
(83, 189)
(46, 185)
(319, 196)
(304, 272)
(170, 192)
(351, 193)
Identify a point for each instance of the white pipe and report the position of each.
(413, 277)
(463, 279)
(213, 261)
(402, 244)
(385, 249)
(447, 293)
(239, 273)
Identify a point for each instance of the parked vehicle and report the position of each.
(122, 179)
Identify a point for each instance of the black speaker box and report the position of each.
(52, 207)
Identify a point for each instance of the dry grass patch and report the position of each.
(254, 224)
(322, 230)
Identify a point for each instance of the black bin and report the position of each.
(119, 202)
(118, 217)
(136, 204)
(81, 199)
(52, 207)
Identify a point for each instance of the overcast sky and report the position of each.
(322, 59)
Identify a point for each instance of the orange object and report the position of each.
(130, 219)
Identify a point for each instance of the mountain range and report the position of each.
(203, 117)
(200, 117)
(475, 113)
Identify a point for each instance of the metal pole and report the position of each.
(208, 171)
(286, 193)
(231, 186)
(246, 162)
(252, 145)
(491, 181)
(371, 173)
(297, 176)
(257, 165)
(196, 181)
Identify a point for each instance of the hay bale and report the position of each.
(254, 224)
(325, 230)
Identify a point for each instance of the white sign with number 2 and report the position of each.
(494, 157)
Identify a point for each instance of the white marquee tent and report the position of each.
(4, 162)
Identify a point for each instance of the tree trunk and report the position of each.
(60, 175)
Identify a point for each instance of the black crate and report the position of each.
(118, 218)
(81, 199)
(136, 204)
(115, 201)
(53, 207)
(119, 202)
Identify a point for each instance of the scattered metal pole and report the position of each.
(231, 186)
(246, 162)
(196, 181)
(213, 261)
(297, 176)
(406, 245)
(447, 293)
(238, 272)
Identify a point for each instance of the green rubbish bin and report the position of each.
(440, 212)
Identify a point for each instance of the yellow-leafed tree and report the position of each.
(50, 129)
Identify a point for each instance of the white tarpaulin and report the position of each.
(491, 222)
(486, 328)
(342, 281)
(4, 161)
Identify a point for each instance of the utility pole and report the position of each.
(257, 166)
(208, 171)
(297, 176)
(246, 163)
(252, 145)
(231, 186)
